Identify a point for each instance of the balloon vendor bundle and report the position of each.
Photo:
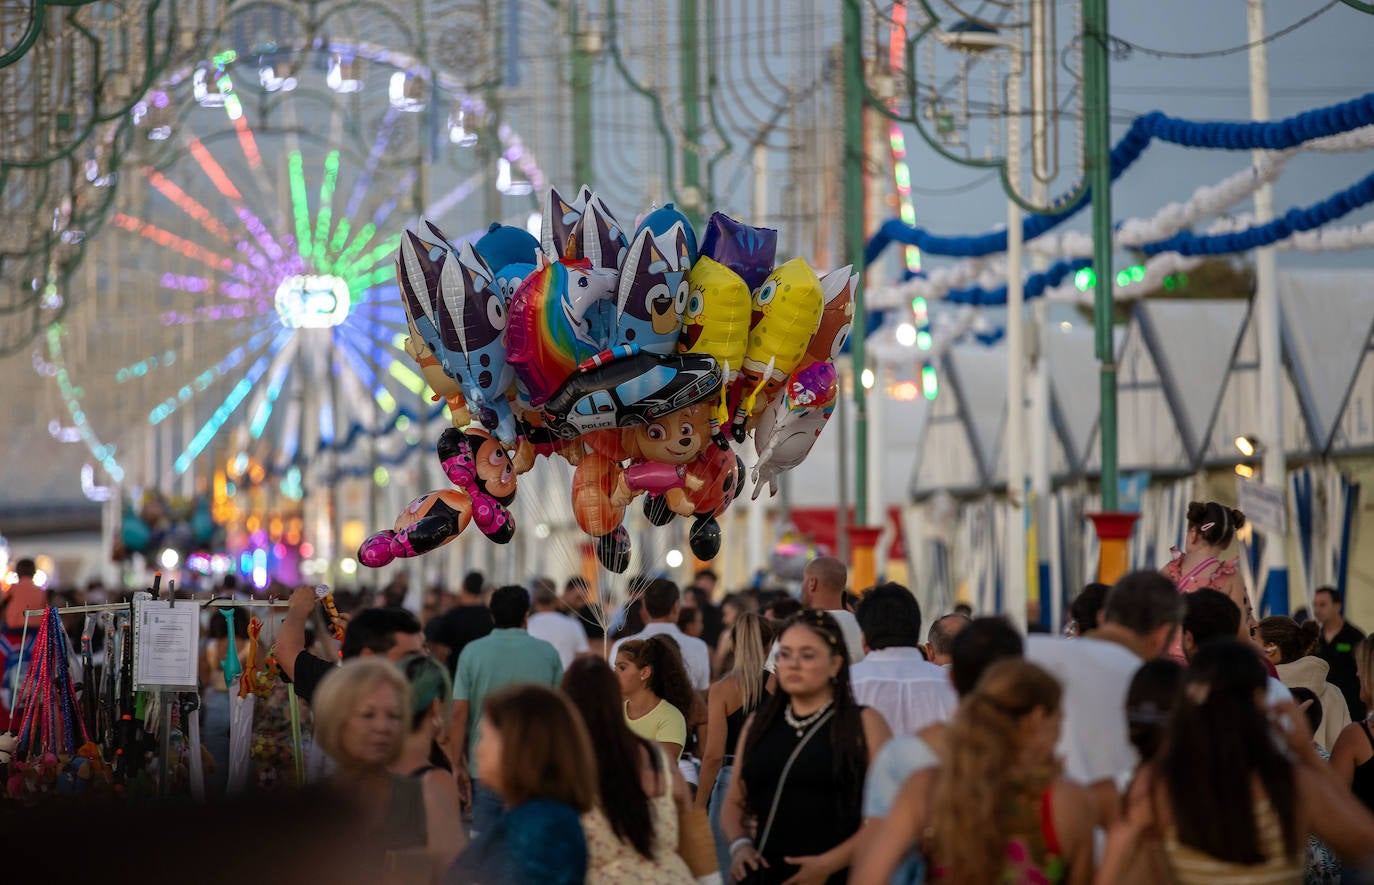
(642, 359)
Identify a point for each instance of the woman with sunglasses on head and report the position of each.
(800, 765)
(421, 758)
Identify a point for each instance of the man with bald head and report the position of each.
(823, 584)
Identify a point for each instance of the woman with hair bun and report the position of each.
(1211, 529)
(1289, 647)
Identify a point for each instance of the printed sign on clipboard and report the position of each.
(166, 643)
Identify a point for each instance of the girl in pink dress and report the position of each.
(1211, 529)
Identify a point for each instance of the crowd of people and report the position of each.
(523, 734)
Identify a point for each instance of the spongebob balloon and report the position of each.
(787, 312)
(652, 291)
(837, 288)
(715, 321)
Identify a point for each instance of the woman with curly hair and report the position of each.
(657, 691)
(996, 810)
(800, 765)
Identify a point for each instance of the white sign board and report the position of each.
(1263, 506)
(166, 640)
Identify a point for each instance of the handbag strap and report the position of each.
(782, 779)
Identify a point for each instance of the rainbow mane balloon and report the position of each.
(548, 335)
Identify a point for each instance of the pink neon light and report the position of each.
(186, 203)
(172, 241)
(247, 142)
(214, 170)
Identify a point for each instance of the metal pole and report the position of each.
(691, 113)
(854, 240)
(1097, 159)
(581, 98)
(1275, 597)
(1015, 437)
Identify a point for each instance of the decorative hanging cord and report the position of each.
(1276, 135)
(1280, 229)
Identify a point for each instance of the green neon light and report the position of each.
(340, 236)
(930, 385)
(360, 242)
(322, 221)
(380, 253)
(300, 203)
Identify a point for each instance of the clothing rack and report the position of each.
(116, 606)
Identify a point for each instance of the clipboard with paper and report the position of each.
(166, 645)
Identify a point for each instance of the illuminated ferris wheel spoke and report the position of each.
(188, 204)
(267, 398)
(202, 382)
(364, 181)
(226, 409)
(320, 243)
(461, 192)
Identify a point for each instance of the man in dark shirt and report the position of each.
(450, 632)
(390, 632)
(1336, 646)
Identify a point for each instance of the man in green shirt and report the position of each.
(506, 656)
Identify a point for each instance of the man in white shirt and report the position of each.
(661, 602)
(894, 678)
(548, 624)
(823, 583)
(1139, 620)
(940, 641)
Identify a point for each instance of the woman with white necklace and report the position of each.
(800, 765)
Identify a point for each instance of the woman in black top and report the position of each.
(800, 764)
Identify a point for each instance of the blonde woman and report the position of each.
(731, 701)
(361, 714)
(996, 810)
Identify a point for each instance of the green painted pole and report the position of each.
(691, 113)
(1096, 107)
(581, 83)
(854, 241)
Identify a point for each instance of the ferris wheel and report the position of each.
(241, 314)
